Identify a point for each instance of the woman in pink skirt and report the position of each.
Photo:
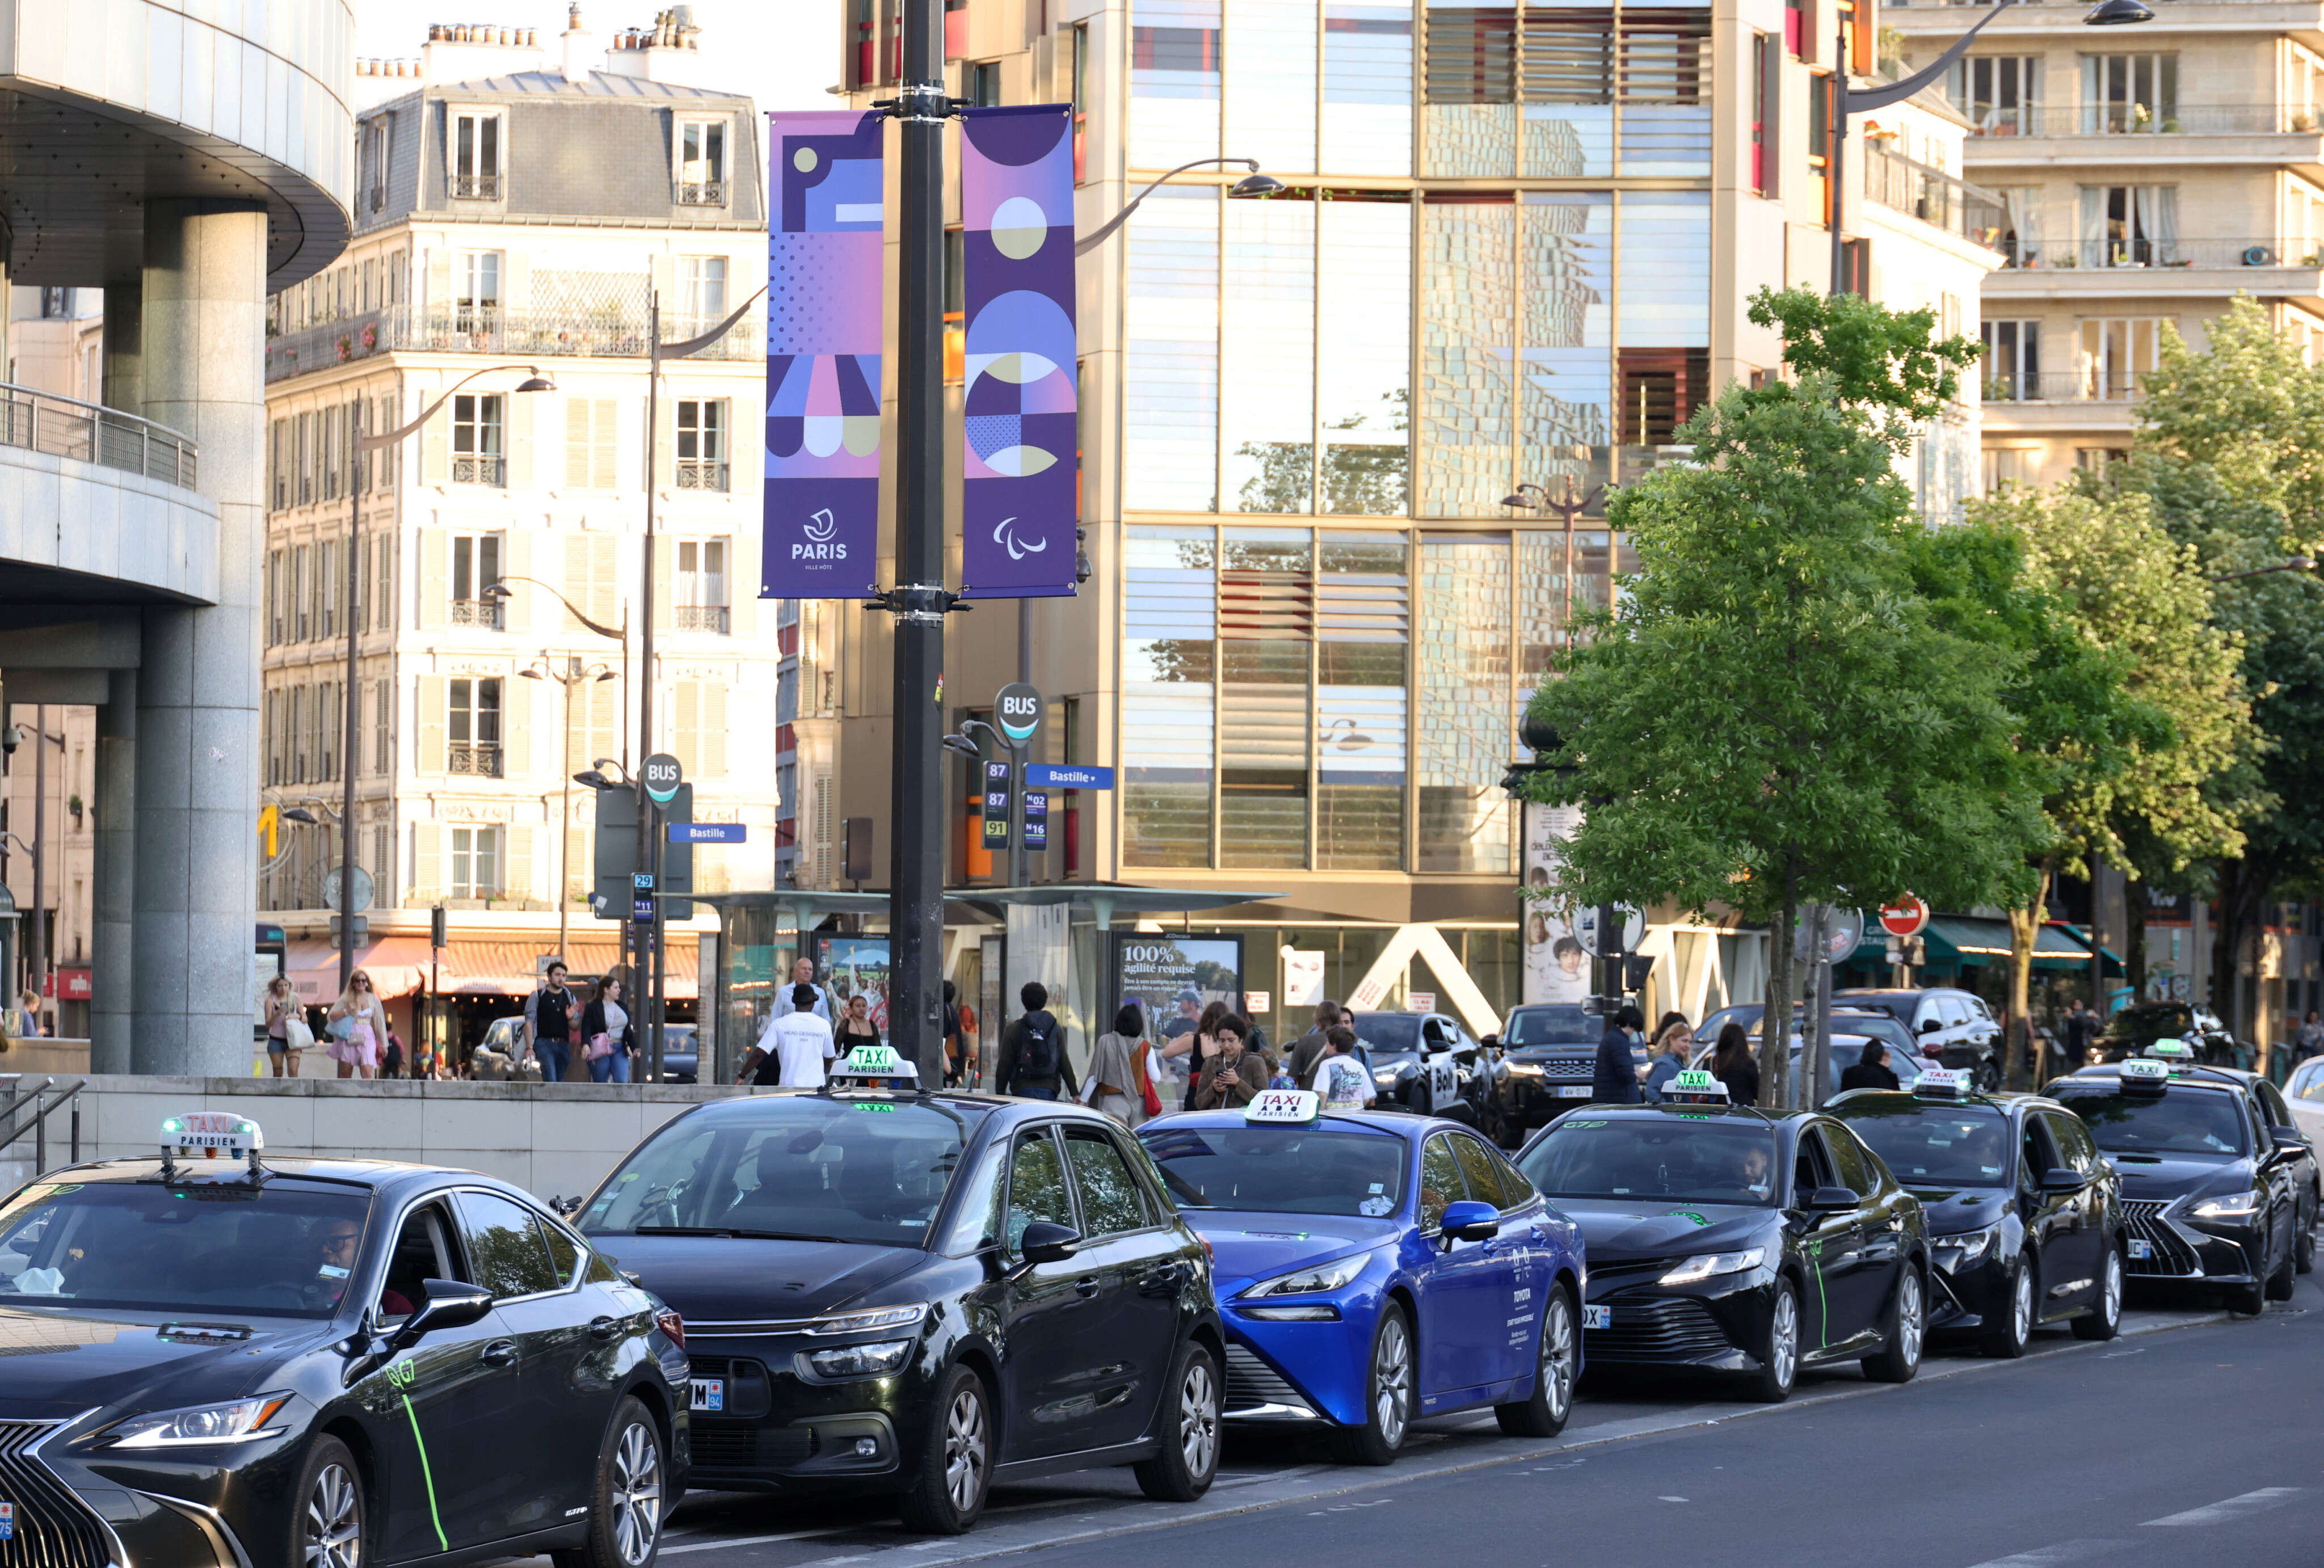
(357, 1047)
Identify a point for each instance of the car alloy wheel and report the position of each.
(964, 1451)
(1900, 1359)
(2021, 1305)
(1780, 1363)
(334, 1520)
(1198, 1416)
(1392, 1381)
(1557, 1356)
(2104, 1320)
(636, 1493)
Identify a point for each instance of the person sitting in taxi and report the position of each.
(335, 1261)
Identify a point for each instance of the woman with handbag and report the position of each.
(607, 1034)
(1123, 1071)
(358, 1029)
(287, 1034)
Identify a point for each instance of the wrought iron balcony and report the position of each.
(702, 618)
(486, 612)
(697, 473)
(475, 760)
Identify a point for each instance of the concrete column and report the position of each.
(124, 323)
(201, 372)
(113, 895)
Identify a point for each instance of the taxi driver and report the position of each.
(335, 1260)
(1755, 1163)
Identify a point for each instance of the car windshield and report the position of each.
(2145, 1022)
(284, 1250)
(1846, 1053)
(1636, 1157)
(1551, 1026)
(1281, 1170)
(800, 1167)
(1390, 1034)
(1931, 1147)
(2178, 1120)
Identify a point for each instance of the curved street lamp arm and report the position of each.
(1858, 100)
(373, 443)
(1089, 242)
(690, 346)
(603, 631)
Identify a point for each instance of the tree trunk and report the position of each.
(1774, 1059)
(2133, 951)
(1815, 1030)
(2242, 888)
(2025, 932)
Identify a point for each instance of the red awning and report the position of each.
(396, 964)
(513, 968)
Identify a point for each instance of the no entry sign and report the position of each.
(1904, 918)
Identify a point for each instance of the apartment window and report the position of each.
(383, 603)
(702, 289)
(475, 863)
(702, 163)
(1998, 93)
(702, 444)
(329, 727)
(1766, 114)
(477, 155)
(2116, 352)
(329, 448)
(2099, 459)
(299, 604)
(382, 712)
(1820, 91)
(984, 84)
(1081, 100)
(297, 726)
(2128, 93)
(383, 462)
(269, 734)
(2007, 468)
(476, 571)
(372, 188)
(701, 584)
(472, 728)
(328, 587)
(2130, 226)
(477, 455)
(274, 597)
(862, 44)
(278, 446)
(2012, 361)
(591, 456)
(302, 452)
(476, 289)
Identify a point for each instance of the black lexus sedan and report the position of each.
(222, 1363)
(2210, 1191)
(1736, 1240)
(919, 1294)
(2024, 1217)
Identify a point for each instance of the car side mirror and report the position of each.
(1930, 1025)
(444, 1303)
(2059, 1179)
(1491, 1042)
(2288, 1138)
(1832, 1201)
(1470, 1220)
(1044, 1243)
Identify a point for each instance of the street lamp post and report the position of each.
(574, 674)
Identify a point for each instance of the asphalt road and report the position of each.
(2194, 1437)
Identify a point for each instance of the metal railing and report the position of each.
(2072, 8)
(478, 762)
(1934, 197)
(476, 186)
(2114, 255)
(697, 473)
(483, 612)
(2141, 120)
(24, 1110)
(39, 421)
(702, 193)
(2092, 385)
(473, 469)
(701, 617)
(607, 333)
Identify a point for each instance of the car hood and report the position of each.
(1249, 1246)
(2150, 1176)
(60, 1364)
(1618, 1228)
(731, 1279)
(1951, 1211)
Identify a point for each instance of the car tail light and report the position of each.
(671, 1323)
(1209, 1251)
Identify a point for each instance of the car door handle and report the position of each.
(1164, 1277)
(605, 1328)
(500, 1354)
(1088, 1285)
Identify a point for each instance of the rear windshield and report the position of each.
(1281, 1170)
(1388, 1033)
(799, 1168)
(207, 1248)
(1634, 1157)
(1926, 1146)
(2178, 1120)
(1551, 1026)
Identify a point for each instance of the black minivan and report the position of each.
(921, 1294)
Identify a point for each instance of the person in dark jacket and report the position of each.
(1731, 1065)
(1309, 1048)
(1616, 1080)
(607, 1015)
(1871, 1070)
(1033, 1051)
(1233, 1077)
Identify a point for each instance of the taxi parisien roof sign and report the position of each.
(210, 1133)
(1284, 1107)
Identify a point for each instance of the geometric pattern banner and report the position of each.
(824, 233)
(1019, 495)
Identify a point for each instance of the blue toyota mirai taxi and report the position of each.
(1373, 1269)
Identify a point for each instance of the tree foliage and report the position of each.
(1874, 357)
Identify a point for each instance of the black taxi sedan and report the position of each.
(920, 1294)
(1734, 1240)
(2025, 1216)
(216, 1363)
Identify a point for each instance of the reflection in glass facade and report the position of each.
(1567, 299)
(1272, 99)
(1267, 384)
(1174, 82)
(1463, 737)
(1364, 337)
(1363, 631)
(1171, 353)
(1665, 254)
(1468, 412)
(1367, 88)
(1168, 675)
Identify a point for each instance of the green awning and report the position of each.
(1973, 942)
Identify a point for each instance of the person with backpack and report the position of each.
(1033, 1051)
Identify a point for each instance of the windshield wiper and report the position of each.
(730, 1230)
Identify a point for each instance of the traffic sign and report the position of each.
(1907, 917)
(1063, 776)
(1037, 819)
(1843, 931)
(363, 888)
(707, 833)
(661, 776)
(642, 880)
(1018, 710)
(641, 908)
(1585, 929)
(996, 804)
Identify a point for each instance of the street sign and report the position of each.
(363, 890)
(641, 908)
(707, 833)
(1585, 929)
(1037, 819)
(1061, 776)
(1907, 917)
(996, 805)
(363, 931)
(642, 880)
(1018, 711)
(1843, 932)
(662, 775)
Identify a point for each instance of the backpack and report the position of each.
(1036, 1054)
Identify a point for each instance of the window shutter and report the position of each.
(516, 726)
(712, 718)
(431, 715)
(516, 276)
(432, 588)
(516, 562)
(686, 727)
(665, 569)
(661, 274)
(604, 444)
(439, 283)
(435, 446)
(427, 860)
(516, 864)
(384, 618)
(576, 442)
(665, 440)
(742, 582)
(519, 415)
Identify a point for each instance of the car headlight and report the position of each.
(1308, 1281)
(856, 1323)
(239, 1421)
(1384, 1078)
(1711, 1265)
(1524, 1069)
(1971, 1245)
(2233, 1205)
(860, 1361)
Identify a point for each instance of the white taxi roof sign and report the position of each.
(2172, 1050)
(1695, 1087)
(1944, 1082)
(213, 1131)
(2145, 1070)
(1284, 1107)
(875, 1062)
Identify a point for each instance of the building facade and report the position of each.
(517, 217)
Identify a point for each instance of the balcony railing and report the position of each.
(2141, 120)
(476, 186)
(486, 612)
(470, 469)
(699, 473)
(2141, 254)
(68, 428)
(702, 618)
(477, 761)
(1934, 196)
(702, 193)
(2067, 8)
(613, 334)
(2092, 385)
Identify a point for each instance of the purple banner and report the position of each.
(823, 260)
(1020, 497)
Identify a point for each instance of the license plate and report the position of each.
(7, 1521)
(1596, 1317)
(1573, 1090)
(2142, 1248)
(709, 1394)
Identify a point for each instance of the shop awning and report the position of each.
(396, 964)
(513, 968)
(1975, 941)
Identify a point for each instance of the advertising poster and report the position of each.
(1175, 978)
(851, 966)
(1556, 965)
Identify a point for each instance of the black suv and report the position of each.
(1541, 1067)
(2130, 1031)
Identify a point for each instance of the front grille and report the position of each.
(747, 1445)
(1655, 1328)
(54, 1528)
(1568, 1069)
(2173, 1257)
(1251, 1382)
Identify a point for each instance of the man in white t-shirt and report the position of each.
(1340, 1078)
(793, 1052)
